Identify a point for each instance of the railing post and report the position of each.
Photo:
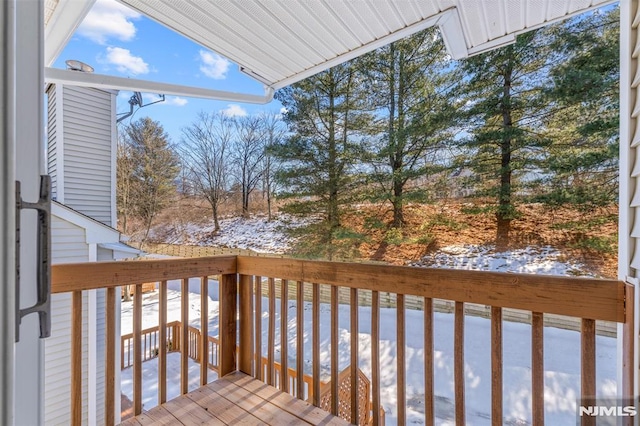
(76, 358)
(110, 358)
(227, 321)
(246, 324)
(628, 339)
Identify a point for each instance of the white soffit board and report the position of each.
(279, 42)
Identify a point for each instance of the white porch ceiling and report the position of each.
(279, 42)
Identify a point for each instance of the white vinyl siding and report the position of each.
(87, 151)
(52, 160)
(69, 246)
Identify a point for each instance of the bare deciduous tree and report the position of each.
(274, 131)
(206, 151)
(248, 153)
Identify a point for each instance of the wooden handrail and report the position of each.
(586, 299)
(68, 277)
(589, 298)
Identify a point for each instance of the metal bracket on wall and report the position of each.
(43, 303)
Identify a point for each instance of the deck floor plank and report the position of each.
(222, 408)
(158, 416)
(283, 401)
(263, 410)
(189, 413)
(236, 399)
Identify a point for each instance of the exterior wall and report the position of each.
(88, 151)
(104, 254)
(69, 245)
(52, 132)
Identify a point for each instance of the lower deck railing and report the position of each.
(242, 321)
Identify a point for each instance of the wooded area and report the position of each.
(532, 122)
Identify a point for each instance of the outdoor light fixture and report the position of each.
(74, 65)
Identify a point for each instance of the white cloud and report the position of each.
(109, 19)
(213, 65)
(169, 100)
(283, 110)
(125, 62)
(176, 101)
(234, 110)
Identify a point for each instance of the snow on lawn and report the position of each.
(150, 379)
(562, 360)
(255, 233)
(530, 260)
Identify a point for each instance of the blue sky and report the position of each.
(118, 41)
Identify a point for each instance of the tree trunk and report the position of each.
(333, 215)
(216, 223)
(127, 293)
(504, 213)
(398, 215)
(269, 217)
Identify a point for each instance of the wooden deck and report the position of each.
(236, 399)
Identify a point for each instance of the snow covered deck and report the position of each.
(422, 365)
(234, 400)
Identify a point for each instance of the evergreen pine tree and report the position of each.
(327, 121)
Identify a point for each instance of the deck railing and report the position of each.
(241, 317)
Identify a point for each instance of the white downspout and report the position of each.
(108, 82)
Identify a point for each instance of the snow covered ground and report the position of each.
(255, 233)
(562, 347)
(562, 360)
(530, 260)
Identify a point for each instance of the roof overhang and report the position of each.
(121, 248)
(95, 232)
(279, 42)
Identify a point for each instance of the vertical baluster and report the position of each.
(334, 351)
(315, 323)
(272, 333)
(137, 350)
(402, 371)
(144, 347)
(458, 353)
(258, 327)
(162, 346)
(375, 356)
(110, 358)
(246, 324)
(588, 365)
(300, 340)
(184, 337)
(284, 336)
(537, 367)
(204, 330)
(429, 412)
(76, 358)
(355, 340)
(496, 366)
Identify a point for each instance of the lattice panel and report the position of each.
(344, 397)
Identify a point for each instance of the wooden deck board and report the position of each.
(283, 401)
(236, 399)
